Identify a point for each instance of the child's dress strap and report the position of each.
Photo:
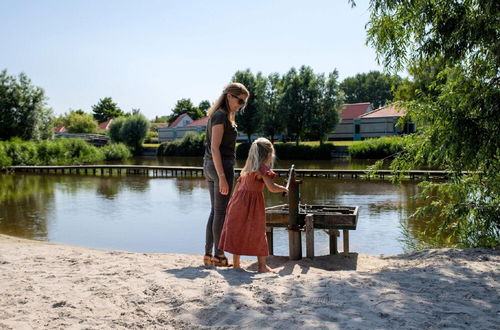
(264, 170)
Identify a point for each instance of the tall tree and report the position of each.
(326, 117)
(300, 100)
(106, 109)
(23, 111)
(77, 122)
(456, 110)
(273, 116)
(374, 87)
(249, 118)
(185, 106)
(204, 106)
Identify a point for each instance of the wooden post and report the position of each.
(269, 234)
(294, 239)
(310, 236)
(333, 241)
(346, 241)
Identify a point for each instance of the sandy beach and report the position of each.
(50, 286)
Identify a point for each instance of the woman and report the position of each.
(218, 164)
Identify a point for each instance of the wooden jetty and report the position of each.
(193, 171)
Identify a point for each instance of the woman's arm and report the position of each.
(217, 133)
(273, 187)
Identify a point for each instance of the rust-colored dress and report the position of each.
(244, 231)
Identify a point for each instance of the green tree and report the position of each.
(204, 106)
(273, 121)
(23, 112)
(455, 106)
(249, 118)
(185, 106)
(374, 87)
(134, 131)
(300, 100)
(106, 109)
(115, 129)
(326, 115)
(80, 123)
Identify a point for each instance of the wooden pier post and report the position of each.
(309, 236)
(294, 237)
(333, 233)
(270, 243)
(346, 241)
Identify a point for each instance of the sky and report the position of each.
(149, 54)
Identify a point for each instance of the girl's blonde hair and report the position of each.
(235, 89)
(259, 151)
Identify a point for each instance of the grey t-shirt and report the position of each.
(228, 142)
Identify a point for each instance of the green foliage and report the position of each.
(134, 131)
(22, 109)
(249, 118)
(378, 148)
(152, 137)
(116, 151)
(273, 115)
(106, 109)
(451, 50)
(192, 144)
(185, 106)
(5, 160)
(311, 103)
(115, 129)
(80, 123)
(292, 151)
(326, 117)
(204, 106)
(374, 87)
(57, 152)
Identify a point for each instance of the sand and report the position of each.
(50, 286)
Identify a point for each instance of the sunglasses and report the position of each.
(240, 101)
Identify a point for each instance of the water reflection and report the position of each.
(137, 213)
(336, 163)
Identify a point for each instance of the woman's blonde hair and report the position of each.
(259, 151)
(235, 89)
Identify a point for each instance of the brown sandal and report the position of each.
(221, 261)
(207, 260)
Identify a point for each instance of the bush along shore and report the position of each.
(192, 144)
(58, 152)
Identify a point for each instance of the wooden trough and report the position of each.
(299, 218)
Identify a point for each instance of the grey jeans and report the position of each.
(218, 203)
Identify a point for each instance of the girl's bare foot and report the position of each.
(265, 269)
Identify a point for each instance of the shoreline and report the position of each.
(46, 285)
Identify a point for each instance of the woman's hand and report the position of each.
(223, 186)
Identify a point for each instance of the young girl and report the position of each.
(244, 231)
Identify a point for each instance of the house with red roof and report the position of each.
(347, 114)
(381, 122)
(180, 127)
(104, 126)
(60, 129)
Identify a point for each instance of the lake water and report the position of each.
(168, 215)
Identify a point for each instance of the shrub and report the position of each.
(4, 158)
(134, 131)
(115, 128)
(377, 148)
(292, 151)
(192, 144)
(80, 152)
(116, 151)
(22, 152)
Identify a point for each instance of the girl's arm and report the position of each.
(273, 187)
(217, 133)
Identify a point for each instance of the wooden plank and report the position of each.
(346, 241)
(309, 236)
(270, 242)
